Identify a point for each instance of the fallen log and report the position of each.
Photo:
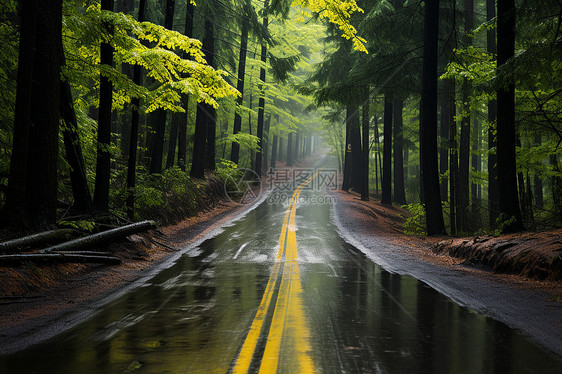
(101, 239)
(11, 260)
(38, 240)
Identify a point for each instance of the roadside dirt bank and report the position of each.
(32, 296)
(528, 256)
(532, 306)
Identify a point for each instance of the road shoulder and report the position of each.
(529, 305)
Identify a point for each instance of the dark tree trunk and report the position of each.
(274, 152)
(17, 183)
(556, 187)
(103, 163)
(347, 162)
(378, 167)
(476, 166)
(464, 149)
(296, 153)
(42, 170)
(537, 182)
(171, 158)
(428, 122)
(205, 122)
(280, 148)
(235, 151)
(507, 172)
(80, 190)
(266, 142)
(261, 101)
(182, 126)
(157, 143)
(133, 140)
(157, 147)
(493, 186)
(290, 149)
(387, 153)
(444, 140)
(453, 158)
(356, 152)
(365, 137)
(399, 192)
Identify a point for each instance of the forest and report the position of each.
(140, 109)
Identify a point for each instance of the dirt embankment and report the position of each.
(532, 255)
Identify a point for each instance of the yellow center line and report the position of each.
(288, 303)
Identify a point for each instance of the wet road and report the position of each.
(280, 291)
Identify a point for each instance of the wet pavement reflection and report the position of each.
(194, 316)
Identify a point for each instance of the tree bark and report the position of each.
(399, 191)
(182, 130)
(365, 137)
(235, 150)
(102, 238)
(80, 190)
(290, 149)
(387, 153)
(11, 260)
(134, 138)
(36, 240)
(42, 169)
(507, 172)
(274, 152)
(261, 101)
(17, 182)
(428, 122)
(103, 163)
(493, 186)
(347, 161)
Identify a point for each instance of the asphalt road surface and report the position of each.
(279, 291)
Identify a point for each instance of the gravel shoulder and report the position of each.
(529, 305)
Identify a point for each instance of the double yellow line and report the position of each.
(288, 329)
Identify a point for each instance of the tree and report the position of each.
(33, 188)
(387, 153)
(493, 186)
(399, 192)
(103, 164)
(428, 122)
(506, 138)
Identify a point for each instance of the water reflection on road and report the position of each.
(194, 316)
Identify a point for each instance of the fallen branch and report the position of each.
(11, 260)
(101, 239)
(37, 240)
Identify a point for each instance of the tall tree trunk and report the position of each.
(133, 140)
(296, 153)
(280, 148)
(428, 122)
(493, 185)
(103, 163)
(42, 170)
(205, 122)
(266, 141)
(537, 181)
(476, 163)
(274, 152)
(347, 161)
(235, 151)
(556, 187)
(261, 101)
(157, 147)
(444, 140)
(182, 129)
(356, 152)
(387, 153)
(80, 190)
(399, 192)
(172, 144)
(507, 172)
(17, 183)
(464, 149)
(290, 149)
(365, 137)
